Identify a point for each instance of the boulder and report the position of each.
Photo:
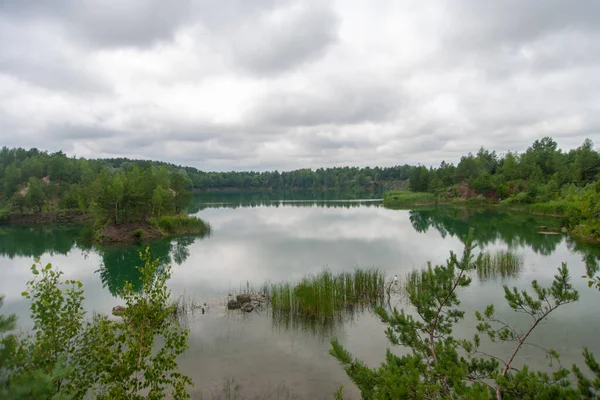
(244, 298)
(233, 305)
(247, 307)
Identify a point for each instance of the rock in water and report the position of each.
(247, 307)
(233, 305)
(244, 298)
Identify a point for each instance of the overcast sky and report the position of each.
(265, 84)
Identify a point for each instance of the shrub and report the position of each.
(181, 224)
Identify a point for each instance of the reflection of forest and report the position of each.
(37, 240)
(280, 198)
(512, 228)
(119, 262)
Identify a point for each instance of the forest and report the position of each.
(123, 190)
(543, 179)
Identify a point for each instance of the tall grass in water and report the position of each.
(502, 263)
(319, 302)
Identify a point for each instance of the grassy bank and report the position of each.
(154, 229)
(180, 225)
(399, 198)
(579, 209)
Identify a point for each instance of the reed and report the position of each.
(321, 302)
(415, 281)
(503, 263)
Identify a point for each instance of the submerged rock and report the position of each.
(244, 298)
(233, 305)
(247, 307)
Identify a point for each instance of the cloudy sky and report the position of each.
(264, 84)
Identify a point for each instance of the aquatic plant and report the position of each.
(320, 303)
(502, 263)
(181, 224)
(435, 364)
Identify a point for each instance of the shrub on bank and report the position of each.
(399, 198)
(181, 224)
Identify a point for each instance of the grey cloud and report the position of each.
(33, 56)
(505, 73)
(77, 132)
(513, 22)
(107, 23)
(333, 103)
(277, 43)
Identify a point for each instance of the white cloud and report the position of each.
(287, 83)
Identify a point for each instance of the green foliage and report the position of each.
(181, 225)
(402, 198)
(438, 365)
(419, 180)
(35, 197)
(502, 263)
(67, 357)
(135, 363)
(321, 302)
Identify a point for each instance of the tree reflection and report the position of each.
(35, 241)
(120, 262)
(290, 198)
(512, 228)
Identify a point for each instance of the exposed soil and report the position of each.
(130, 233)
(46, 218)
(465, 191)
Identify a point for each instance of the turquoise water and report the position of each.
(269, 239)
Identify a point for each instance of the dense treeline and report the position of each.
(322, 178)
(537, 175)
(32, 180)
(542, 179)
(122, 190)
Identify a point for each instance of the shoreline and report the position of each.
(127, 233)
(499, 207)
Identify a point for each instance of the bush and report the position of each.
(181, 224)
(404, 198)
(437, 365)
(67, 356)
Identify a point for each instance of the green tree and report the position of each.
(419, 180)
(182, 196)
(587, 162)
(134, 364)
(66, 356)
(441, 366)
(36, 198)
(19, 202)
(12, 180)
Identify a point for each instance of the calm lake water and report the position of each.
(258, 238)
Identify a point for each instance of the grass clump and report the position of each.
(321, 302)
(399, 198)
(181, 225)
(502, 263)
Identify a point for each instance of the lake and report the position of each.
(264, 237)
